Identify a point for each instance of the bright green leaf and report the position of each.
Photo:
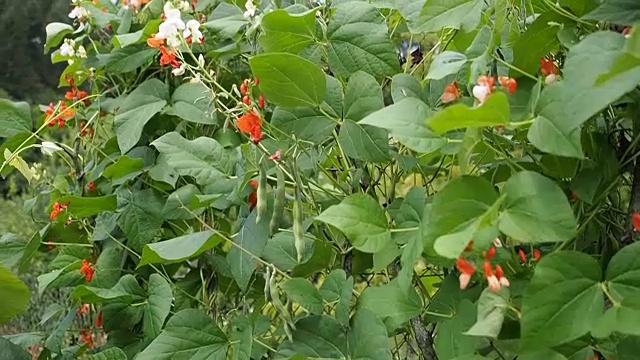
(123, 166)
(55, 34)
(82, 207)
(14, 294)
(304, 293)
(290, 33)
(494, 111)
(178, 249)
(456, 14)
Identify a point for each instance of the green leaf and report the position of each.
(281, 252)
(203, 158)
(319, 337)
(19, 164)
(451, 343)
(242, 343)
(563, 107)
(304, 122)
(358, 40)
(158, 305)
(623, 273)
(82, 207)
(405, 86)
(139, 107)
(492, 308)
(129, 58)
(391, 304)
(141, 216)
(226, 20)
(539, 39)
(12, 249)
(288, 80)
(405, 121)
(439, 14)
(251, 241)
(178, 249)
(14, 293)
(304, 293)
(15, 118)
(333, 284)
(194, 103)
(55, 34)
(458, 213)
(362, 220)
(364, 142)
(189, 334)
(446, 63)
(290, 33)
(368, 338)
(494, 111)
(113, 353)
(125, 40)
(186, 202)
(9, 350)
(30, 251)
(362, 96)
(108, 265)
(92, 295)
(621, 12)
(124, 166)
(562, 301)
(536, 210)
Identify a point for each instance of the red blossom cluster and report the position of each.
(57, 209)
(87, 270)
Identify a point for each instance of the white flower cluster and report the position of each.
(173, 24)
(78, 12)
(68, 49)
(251, 9)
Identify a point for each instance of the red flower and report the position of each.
(451, 93)
(168, 58)
(466, 271)
(635, 220)
(155, 42)
(251, 124)
(523, 257)
(490, 253)
(256, 81)
(87, 338)
(508, 83)
(500, 275)
(87, 270)
(548, 67)
(275, 156)
(83, 309)
(98, 320)
(253, 197)
(492, 279)
(246, 100)
(63, 115)
(536, 255)
(261, 102)
(57, 209)
(91, 186)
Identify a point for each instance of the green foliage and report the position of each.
(312, 183)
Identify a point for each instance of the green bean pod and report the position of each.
(298, 232)
(267, 283)
(278, 203)
(261, 206)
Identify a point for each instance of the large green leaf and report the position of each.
(288, 80)
(492, 308)
(82, 207)
(9, 350)
(178, 249)
(446, 63)
(14, 294)
(621, 12)
(391, 304)
(194, 103)
(12, 249)
(304, 293)
(494, 111)
(536, 210)
(129, 58)
(358, 40)
(139, 107)
(368, 338)
(55, 34)
(189, 334)
(284, 32)
(364, 142)
(158, 305)
(563, 107)
(319, 337)
(562, 301)
(439, 14)
(405, 121)
(203, 158)
(15, 118)
(451, 343)
(124, 166)
(362, 220)
(304, 122)
(623, 273)
(362, 96)
(459, 212)
(250, 242)
(141, 216)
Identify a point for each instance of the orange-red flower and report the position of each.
(155, 42)
(87, 338)
(91, 186)
(466, 271)
(492, 279)
(490, 253)
(87, 270)
(523, 257)
(536, 255)
(508, 83)
(251, 124)
(500, 275)
(168, 58)
(548, 67)
(635, 220)
(451, 93)
(253, 197)
(98, 320)
(83, 309)
(63, 115)
(57, 209)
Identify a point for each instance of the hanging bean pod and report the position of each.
(261, 207)
(278, 204)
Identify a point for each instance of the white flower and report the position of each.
(251, 9)
(82, 53)
(49, 148)
(178, 71)
(67, 48)
(481, 92)
(193, 31)
(185, 6)
(195, 79)
(497, 242)
(551, 78)
(78, 12)
(201, 60)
